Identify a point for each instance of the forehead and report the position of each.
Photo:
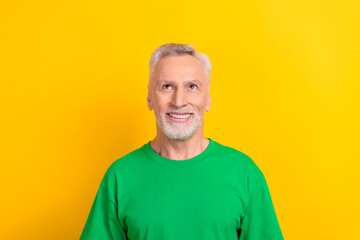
(176, 67)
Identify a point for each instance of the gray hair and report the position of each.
(176, 49)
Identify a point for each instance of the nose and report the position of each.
(179, 98)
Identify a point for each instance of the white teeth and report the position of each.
(179, 115)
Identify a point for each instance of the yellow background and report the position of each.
(284, 90)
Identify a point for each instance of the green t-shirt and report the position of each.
(219, 194)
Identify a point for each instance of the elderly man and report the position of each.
(181, 185)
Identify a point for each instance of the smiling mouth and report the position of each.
(179, 115)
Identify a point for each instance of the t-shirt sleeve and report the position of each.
(103, 222)
(259, 221)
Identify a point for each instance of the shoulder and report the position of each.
(125, 164)
(238, 158)
(233, 153)
(127, 159)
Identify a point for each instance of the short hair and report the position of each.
(177, 49)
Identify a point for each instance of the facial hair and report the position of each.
(180, 131)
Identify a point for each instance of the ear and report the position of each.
(208, 104)
(149, 102)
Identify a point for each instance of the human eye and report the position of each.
(193, 87)
(166, 86)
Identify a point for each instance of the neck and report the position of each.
(179, 149)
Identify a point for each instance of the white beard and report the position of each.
(179, 130)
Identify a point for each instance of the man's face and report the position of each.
(179, 95)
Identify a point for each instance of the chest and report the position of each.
(169, 203)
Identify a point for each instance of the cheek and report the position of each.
(162, 100)
(201, 104)
(159, 109)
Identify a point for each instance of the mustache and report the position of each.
(179, 111)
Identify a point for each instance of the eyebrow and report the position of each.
(186, 82)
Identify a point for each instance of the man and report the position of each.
(181, 185)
